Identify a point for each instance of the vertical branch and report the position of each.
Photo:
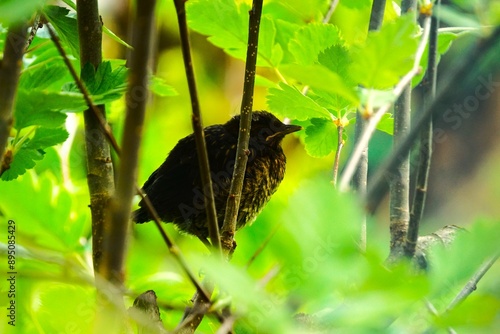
(100, 173)
(455, 77)
(425, 146)
(233, 200)
(399, 209)
(201, 148)
(377, 15)
(136, 100)
(361, 175)
(10, 69)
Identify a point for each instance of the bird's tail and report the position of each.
(140, 216)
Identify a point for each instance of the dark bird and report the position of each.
(175, 188)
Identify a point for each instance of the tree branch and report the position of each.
(201, 148)
(234, 197)
(172, 247)
(340, 145)
(472, 283)
(425, 145)
(377, 116)
(399, 208)
(10, 70)
(361, 173)
(100, 171)
(477, 52)
(115, 241)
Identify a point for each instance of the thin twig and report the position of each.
(425, 146)
(377, 15)
(331, 10)
(233, 201)
(472, 283)
(172, 247)
(378, 187)
(81, 87)
(377, 116)
(340, 145)
(100, 169)
(199, 134)
(361, 173)
(10, 70)
(114, 250)
(262, 245)
(399, 207)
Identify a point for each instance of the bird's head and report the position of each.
(266, 129)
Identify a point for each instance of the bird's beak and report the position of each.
(289, 128)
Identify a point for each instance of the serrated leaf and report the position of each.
(45, 137)
(105, 84)
(318, 76)
(160, 87)
(321, 137)
(43, 76)
(45, 108)
(226, 25)
(289, 102)
(22, 160)
(311, 40)
(387, 54)
(336, 58)
(65, 26)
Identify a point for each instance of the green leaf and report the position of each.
(105, 84)
(14, 10)
(337, 59)
(311, 40)
(387, 54)
(321, 137)
(386, 124)
(289, 102)
(65, 26)
(45, 108)
(45, 137)
(445, 40)
(43, 76)
(22, 160)
(226, 24)
(318, 76)
(160, 87)
(297, 10)
(115, 38)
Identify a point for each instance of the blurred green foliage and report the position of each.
(312, 265)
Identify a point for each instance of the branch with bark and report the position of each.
(10, 70)
(100, 170)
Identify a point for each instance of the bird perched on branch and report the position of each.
(175, 188)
